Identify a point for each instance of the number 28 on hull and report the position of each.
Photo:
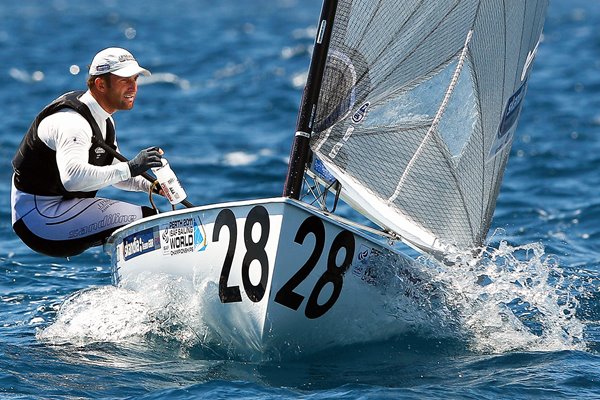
(273, 272)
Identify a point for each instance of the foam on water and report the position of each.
(118, 315)
(509, 299)
(512, 298)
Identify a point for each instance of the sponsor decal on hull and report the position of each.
(182, 236)
(140, 243)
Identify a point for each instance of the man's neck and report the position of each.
(101, 101)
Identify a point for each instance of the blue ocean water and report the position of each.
(222, 102)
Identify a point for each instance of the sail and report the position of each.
(417, 110)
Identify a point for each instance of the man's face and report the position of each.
(120, 94)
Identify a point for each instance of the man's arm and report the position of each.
(69, 134)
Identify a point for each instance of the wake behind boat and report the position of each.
(408, 116)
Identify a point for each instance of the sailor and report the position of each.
(60, 166)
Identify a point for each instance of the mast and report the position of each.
(308, 107)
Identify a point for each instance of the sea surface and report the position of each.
(222, 103)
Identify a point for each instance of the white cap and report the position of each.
(117, 61)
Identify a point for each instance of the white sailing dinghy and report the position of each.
(408, 115)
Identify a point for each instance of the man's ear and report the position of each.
(100, 84)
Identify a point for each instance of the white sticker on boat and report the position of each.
(181, 236)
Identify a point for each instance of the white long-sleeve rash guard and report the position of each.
(69, 134)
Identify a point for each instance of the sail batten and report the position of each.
(417, 109)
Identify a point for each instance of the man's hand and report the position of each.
(146, 159)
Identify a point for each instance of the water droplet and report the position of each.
(37, 76)
(130, 33)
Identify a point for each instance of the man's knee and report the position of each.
(54, 248)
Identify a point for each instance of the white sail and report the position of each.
(417, 110)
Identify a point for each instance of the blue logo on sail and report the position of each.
(512, 110)
(361, 113)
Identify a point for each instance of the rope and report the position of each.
(150, 191)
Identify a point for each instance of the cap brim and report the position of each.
(131, 70)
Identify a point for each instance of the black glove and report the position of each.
(146, 159)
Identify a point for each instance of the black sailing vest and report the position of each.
(36, 171)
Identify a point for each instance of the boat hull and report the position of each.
(274, 273)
